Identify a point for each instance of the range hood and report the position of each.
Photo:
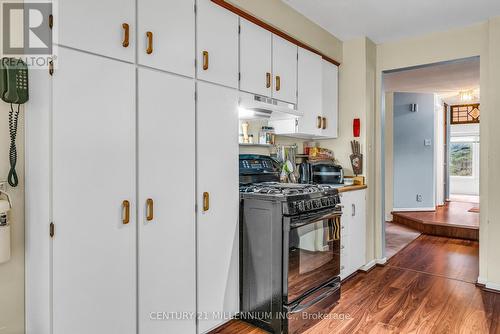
(260, 107)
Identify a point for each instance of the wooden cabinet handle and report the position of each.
(205, 60)
(126, 212)
(323, 126)
(149, 35)
(278, 83)
(320, 122)
(126, 35)
(206, 201)
(149, 209)
(268, 80)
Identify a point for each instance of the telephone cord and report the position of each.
(13, 120)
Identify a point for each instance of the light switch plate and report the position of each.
(427, 142)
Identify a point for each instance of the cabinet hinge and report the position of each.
(51, 68)
(196, 96)
(51, 21)
(52, 230)
(239, 76)
(239, 29)
(195, 9)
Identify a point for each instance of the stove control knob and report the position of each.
(308, 205)
(316, 203)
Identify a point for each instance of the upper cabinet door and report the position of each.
(330, 100)
(103, 27)
(166, 35)
(310, 90)
(255, 59)
(166, 200)
(94, 248)
(284, 70)
(217, 44)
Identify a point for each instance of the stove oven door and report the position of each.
(311, 253)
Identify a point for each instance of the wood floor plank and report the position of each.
(426, 288)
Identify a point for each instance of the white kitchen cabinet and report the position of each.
(255, 59)
(310, 93)
(97, 26)
(284, 70)
(166, 31)
(330, 100)
(354, 239)
(217, 44)
(94, 247)
(217, 202)
(166, 210)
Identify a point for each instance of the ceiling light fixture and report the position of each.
(466, 96)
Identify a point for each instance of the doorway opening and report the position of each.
(432, 138)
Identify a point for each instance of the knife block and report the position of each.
(357, 164)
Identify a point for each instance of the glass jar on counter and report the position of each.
(267, 135)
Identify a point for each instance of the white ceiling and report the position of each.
(386, 20)
(446, 79)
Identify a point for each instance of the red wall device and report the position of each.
(356, 125)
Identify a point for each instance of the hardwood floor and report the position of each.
(397, 237)
(453, 220)
(426, 288)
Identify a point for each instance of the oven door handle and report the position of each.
(299, 308)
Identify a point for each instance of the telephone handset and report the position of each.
(13, 90)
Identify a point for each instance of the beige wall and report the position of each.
(483, 40)
(12, 272)
(281, 16)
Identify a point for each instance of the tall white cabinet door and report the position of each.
(330, 99)
(255, 59)
(217, 44)
(94, 248)
(166, 201)
(166, 35)
(97, 26)
(284, 70)
(310, 85)
(218, 202)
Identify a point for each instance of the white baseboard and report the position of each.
(369, 265)
(493, 286)
(373, 263)
(414, 209)
(481, 280)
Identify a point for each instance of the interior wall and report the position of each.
(12, 272)
(413, 152)
(389, 158)
(283, 17)
(482, 40)
(439, 149)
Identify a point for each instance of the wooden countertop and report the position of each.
(352, 188)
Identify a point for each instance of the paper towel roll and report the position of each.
(4, 243)
(4, 205)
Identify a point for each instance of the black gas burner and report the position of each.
(285, 189)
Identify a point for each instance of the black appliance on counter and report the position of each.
(289, 249)
(321, 172)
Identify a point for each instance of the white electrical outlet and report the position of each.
(419, 198)
(427, 142)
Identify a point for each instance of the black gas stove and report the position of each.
(289, 249)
